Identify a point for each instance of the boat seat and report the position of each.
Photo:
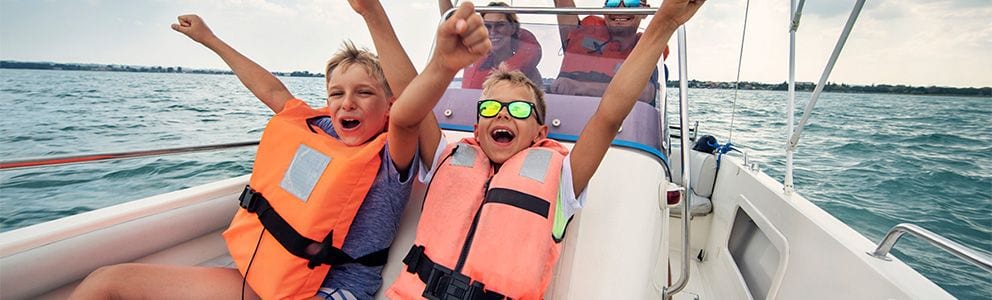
(223, 261)
(702, 173)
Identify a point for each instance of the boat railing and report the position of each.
(965, 253)
(75, 159)
(793, 139)
(647, 11)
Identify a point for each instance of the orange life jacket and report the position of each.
(590, 55)
(483, 235)
(315, 185)
(526, 55)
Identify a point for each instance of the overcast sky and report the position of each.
(916, 42)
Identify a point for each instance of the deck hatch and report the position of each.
(756, 257)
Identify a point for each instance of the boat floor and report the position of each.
(697, 287)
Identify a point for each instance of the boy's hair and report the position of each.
(516, 78)
(350, 55)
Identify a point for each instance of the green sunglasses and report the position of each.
(519, 109)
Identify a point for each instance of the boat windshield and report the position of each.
(582, 65)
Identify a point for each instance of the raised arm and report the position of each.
(566, 23)
(259, 81)
(443, 6)
(623, 90)
(461, 40)
(399, 71)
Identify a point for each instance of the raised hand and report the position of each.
(462, 39)
(363, 6)
(193, 27)
(678, 11)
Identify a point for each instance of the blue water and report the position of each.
(872, 161)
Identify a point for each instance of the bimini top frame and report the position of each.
(793, 140)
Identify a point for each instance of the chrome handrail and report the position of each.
(643, 11)
(73, 159)
(683, 280)
(965, 253)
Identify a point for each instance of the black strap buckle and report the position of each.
(445, 284)
(249, 199)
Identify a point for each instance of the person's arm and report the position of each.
(461, 40)
(444, 6)
(624, 89)
(566, 23)
(259, 81)
(528, 51)
(399, 71)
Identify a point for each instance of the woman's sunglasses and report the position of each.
(519, 109)
(626, 3)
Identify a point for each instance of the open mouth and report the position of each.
(620, 18)
(350, 123)
(502, 136)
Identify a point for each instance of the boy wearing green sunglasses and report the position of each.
(595, 47)
(510, 122)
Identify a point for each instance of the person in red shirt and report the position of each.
(595, 48)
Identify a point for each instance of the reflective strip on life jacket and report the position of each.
(470, 216)
(315, 184)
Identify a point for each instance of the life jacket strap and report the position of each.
(297, 244)
(444, 283)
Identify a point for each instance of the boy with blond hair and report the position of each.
(342, 264)
(497, 203)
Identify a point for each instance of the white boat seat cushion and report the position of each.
(702, 173)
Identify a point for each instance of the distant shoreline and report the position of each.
(6, 64)
(800, 86)
(831, 87)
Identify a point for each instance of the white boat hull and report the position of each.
(617, 247)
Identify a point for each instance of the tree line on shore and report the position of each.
(844, 88)
(125, 68)
(784, 86)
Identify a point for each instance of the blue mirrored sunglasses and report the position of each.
(626, 3)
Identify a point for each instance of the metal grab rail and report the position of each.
(683, 280)
(72, 159)
(953, 247)
(645, 11)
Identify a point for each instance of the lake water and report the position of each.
(872, 161)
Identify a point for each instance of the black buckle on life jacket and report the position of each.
(249, 199)
(445, 284)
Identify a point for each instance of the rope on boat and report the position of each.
(740, 60)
